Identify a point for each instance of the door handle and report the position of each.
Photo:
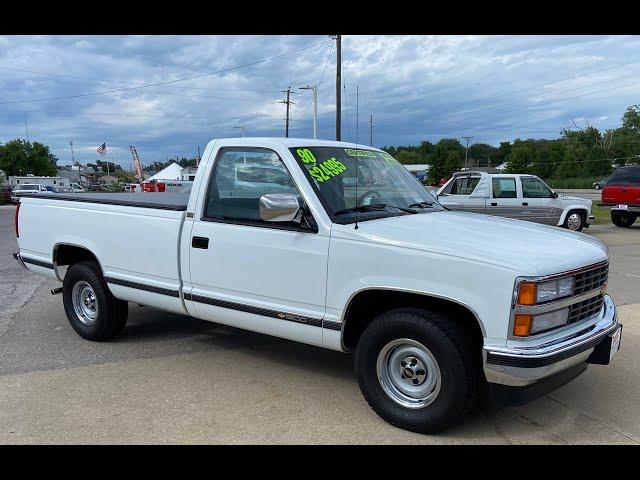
(525, 204)
(494, 204)
(200, 242)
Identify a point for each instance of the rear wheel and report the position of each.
(621, 219)
(92, 310)
(575, 221)
(418, 369)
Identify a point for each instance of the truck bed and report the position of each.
(156, 200)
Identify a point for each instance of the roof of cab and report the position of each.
(289, 142)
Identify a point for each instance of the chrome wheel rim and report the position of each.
(85, 303)
(574, 221)
(408, 373)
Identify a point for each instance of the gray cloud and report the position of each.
(417, 87)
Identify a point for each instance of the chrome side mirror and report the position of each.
(279, 207)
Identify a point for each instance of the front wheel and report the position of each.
(418, 370)
(575, 221)
(92, 310)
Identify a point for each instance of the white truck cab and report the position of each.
(436, 305)
(525, 197)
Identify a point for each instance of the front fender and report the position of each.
(576, 206)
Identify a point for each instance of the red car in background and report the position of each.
(622, 194)
(153, 186)
(5, 193)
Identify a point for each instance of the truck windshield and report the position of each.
(384, 186)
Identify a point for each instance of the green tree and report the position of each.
(19, 157)
(446, 159)
(408, 157)
(481, 154)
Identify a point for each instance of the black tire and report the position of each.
(583, 220)
(111, 313)
(459, 361)
(624, 220)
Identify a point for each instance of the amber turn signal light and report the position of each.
(522, 325)
(527, 293)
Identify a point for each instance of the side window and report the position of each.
(533, 188)
(240, 177)
(504, 187)
(464, 185)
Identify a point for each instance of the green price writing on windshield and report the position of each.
(306, 156)
(360, 153)
(327, 170)
(388, 158)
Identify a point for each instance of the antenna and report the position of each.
(357, 171)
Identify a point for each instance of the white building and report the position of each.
(57, 182)
(189, 173)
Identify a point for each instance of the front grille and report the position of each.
(591, 279)
(585, 309)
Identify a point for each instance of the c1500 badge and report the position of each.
(295, 318)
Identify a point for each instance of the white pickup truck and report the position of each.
(282, 237)
(525, 197)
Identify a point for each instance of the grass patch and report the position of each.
(602, 214)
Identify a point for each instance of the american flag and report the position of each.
(102, 149)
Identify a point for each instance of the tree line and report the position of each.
(579, 152)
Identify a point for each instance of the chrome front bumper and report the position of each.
(522, 366)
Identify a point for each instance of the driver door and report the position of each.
(265, 276)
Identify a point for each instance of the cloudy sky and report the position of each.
(167, 95)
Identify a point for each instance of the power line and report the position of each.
(224, 70)
(96, 82)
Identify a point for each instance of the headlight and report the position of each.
(554, 289)
(527, 324)
(545, 321)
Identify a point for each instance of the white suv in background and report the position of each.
(524, 197)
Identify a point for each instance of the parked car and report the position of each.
(440, 307)
(132, 188)
(524, 197)
(600, 183)
(49, 188)
(76, 188)
(27, 188)
(622, 194)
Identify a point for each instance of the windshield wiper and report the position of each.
(372, 208)
(362, 208)
(421, 205)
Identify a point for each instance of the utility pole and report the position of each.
(315, 107)
(26, 128)
(338, 85)
(73, 159)
(466, 152)
(242, 127)
(288, 102)
(371, 130)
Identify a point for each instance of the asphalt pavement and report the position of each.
(174, 379)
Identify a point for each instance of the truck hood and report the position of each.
(524, 247)
(573, 199)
